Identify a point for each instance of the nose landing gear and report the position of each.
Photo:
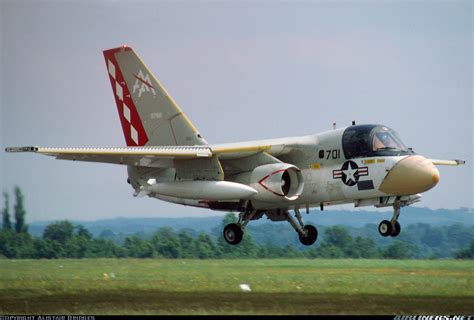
(391, 228)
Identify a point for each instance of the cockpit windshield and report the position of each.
(372, 140)
(385, 139)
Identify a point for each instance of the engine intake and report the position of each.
(277, 181)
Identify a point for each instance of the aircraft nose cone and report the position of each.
(411, 175)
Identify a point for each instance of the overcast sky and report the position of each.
(240, 71)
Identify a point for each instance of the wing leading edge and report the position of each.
(135, 156)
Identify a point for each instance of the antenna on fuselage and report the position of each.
(334, 125)
(353, 123)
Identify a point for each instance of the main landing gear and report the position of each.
(233, 232)
(308, 234)
(391, 228)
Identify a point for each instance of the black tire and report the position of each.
(311, 235)
(396, 230)
(233, 234)
(385, 228)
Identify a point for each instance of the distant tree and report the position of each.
(467, 253)
(398, 250)
(24, 248)
(82, 232)
(20, 224)
(431, 236)
(205, 247)
(263, 251)
(291, 252)
(108, 249)
(47, 249)
(7, 244)
(337, 243)
(364, 248)
(247, 248)
(79, 245)
(165, 243)
(109, 235)
(187, 244)
(269, 250)
(60, 231)
(338, 236)
(459, 235)
(138, 248)
(6, 222)
(329, 251)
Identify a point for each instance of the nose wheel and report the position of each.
(391, 228)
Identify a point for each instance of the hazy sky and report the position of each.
(240, 71)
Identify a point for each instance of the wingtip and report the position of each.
(21, 149)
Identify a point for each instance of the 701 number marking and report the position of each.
(333, 154)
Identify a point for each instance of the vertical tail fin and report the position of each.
(148, 114)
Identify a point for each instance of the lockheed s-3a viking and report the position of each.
(168, 159)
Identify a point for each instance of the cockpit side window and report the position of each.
(357, 141)
(384, 140)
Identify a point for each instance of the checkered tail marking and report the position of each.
(133, 130)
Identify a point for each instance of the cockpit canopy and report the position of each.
(372, 140)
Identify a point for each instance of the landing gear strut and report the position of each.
(392, 227)
(234, 232)
(307, 233)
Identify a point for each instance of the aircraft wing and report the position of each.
(136, 156)
(163, 156)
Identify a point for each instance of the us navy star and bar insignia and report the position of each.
(350, 173)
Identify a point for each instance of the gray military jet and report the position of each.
(168, 159)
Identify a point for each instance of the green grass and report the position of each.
(297, 286)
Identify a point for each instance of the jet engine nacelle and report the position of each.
(277, 181)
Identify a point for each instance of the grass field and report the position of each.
(129, 286)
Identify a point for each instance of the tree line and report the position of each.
(63, 239)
